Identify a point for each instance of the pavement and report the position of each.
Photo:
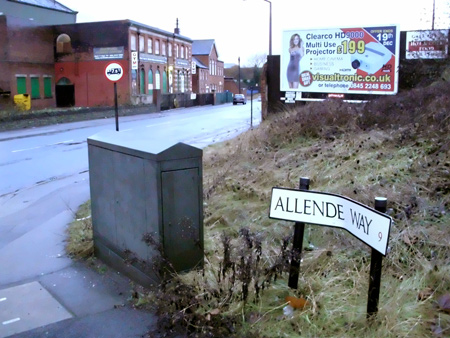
(45, 293)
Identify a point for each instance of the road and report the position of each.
(45, 177)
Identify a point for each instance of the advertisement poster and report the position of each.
(341, 60)
(427, 44)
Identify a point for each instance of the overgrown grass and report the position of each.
(396, 147)
(80, 236)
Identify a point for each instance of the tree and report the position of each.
(257, 60)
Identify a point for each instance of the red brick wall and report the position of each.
(92, 88)
(27, 51)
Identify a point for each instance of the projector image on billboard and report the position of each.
(373, 58)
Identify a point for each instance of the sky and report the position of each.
(240, 28)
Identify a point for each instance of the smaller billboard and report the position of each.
(108, 53)
(431, 44)
(361, 60)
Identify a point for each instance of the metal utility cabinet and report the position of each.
(138, 189)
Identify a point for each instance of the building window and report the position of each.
(133, 42)
(157, 80)
(170, 49)
(157, 47)
(150, 82)
(63, 44)
(35, 90)
(21, 85)
(133, 81)
(182, 52)
(149, 46)
(180, 82)
(164, 88)
(48, 87)
(163, 48)
(141, 44)
(142, 81)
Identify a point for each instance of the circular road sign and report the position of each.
(114, 71)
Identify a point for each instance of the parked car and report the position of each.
(239, 98)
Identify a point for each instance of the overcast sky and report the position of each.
(240, 28)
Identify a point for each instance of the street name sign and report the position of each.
(367, 224)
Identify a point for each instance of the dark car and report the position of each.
(239, 98)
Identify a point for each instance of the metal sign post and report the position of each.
(297, 245)
(114, 73)
(376, 261)
(251, 107)
(116, 107)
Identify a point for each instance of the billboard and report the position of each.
(432, 44)
(361, 60)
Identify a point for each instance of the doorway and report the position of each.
(65, 93)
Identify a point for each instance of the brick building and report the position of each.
(27, 57)
(60, 63)
(209, 75)
(154, 62)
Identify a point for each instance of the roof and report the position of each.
(203, 47)
(50, 4)
(198, 63)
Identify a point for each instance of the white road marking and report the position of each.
(47, 145)
(19, 150)
(11, 321)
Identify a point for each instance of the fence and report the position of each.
(171, 101)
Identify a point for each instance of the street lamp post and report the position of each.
(270, 27)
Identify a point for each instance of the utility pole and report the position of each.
(270, 27)
(239, 76)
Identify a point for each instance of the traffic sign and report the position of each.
(370, 226)
(113, 71)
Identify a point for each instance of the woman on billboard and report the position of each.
(296, 52)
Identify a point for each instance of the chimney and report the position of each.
(177, 30)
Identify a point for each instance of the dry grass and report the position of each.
(396, 147)
(80, 242)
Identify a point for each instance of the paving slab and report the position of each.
(38, 252)
(123, 322)
(84, 291)
(27, 306)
